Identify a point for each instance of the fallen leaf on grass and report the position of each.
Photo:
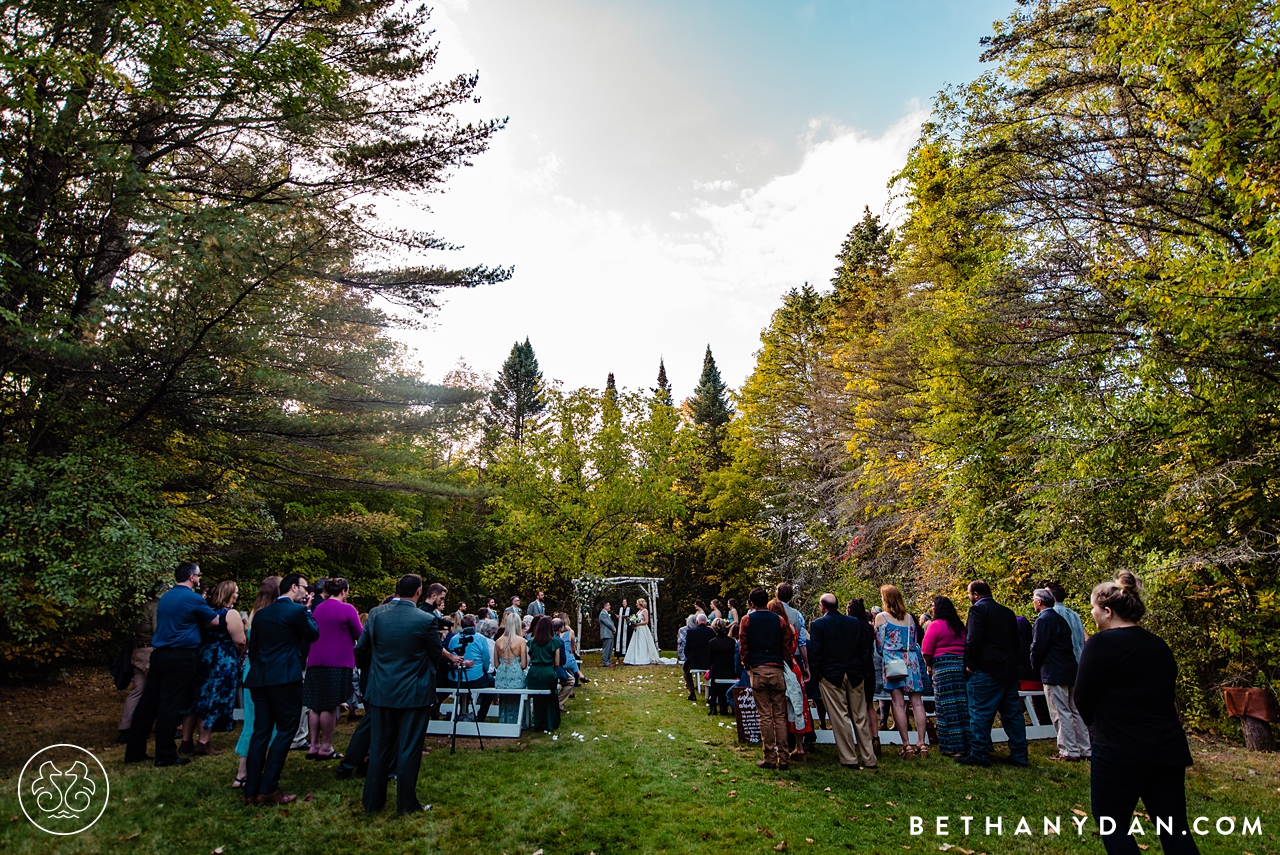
(284, 813)
(808, 840)
(1078, 812)
(218, 851)
(826, 789)
(969, 798)
(537, 852)
(766, 832)
(780, 846)
(13, 818)
(892, 804)
(133, 836)
(733, 793)
(1144, 847)
(310, 797)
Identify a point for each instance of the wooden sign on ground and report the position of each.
(744, 705)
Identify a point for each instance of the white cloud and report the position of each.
(598, 289)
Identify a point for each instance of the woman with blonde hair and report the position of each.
(799, 722)
(510, 661)
(1125, 693)
(641, 650)
(898, 640)
(268, 591)
(220, 648)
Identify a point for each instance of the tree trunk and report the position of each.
(1257, 734)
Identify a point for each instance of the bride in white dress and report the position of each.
(640, 647)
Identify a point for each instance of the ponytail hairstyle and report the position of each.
(1123, 596)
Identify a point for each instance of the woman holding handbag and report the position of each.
(898, 640)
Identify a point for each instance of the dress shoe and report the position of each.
(279, 797)
(204, 749)
(970, 760)
(765, 764)
(176, 761)
(343, 774)
(122, 738)
(1009, 761)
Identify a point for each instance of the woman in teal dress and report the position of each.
(510, 658)
(545, 655)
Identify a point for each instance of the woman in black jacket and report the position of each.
(1125, 692)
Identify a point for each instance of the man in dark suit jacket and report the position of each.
(991, 658)
(840, 657)
(403, 645)
(279, 640)
(697, 656)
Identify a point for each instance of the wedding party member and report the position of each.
(218, 673)
(140, 659)
(898, 640)
(607, 632)
(539, 605)
(840, 656)
(943, 649)
(282, 632)
(330, 665)
(763, 642)
(1053, 657)
(545, 656)
(641, 650)
(460, 612)
(171, 681)
(624, 628)
(510, 659)
(515, 606)
(404, 651)
(715, 614)
(697, 656)
(991, 659)
(1125, 692)
(721, 651)
(268, 590)
(733, 612)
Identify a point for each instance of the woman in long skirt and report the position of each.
(943, 649)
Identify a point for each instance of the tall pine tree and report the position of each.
(662, 393)
(710, 410)
(517, 399)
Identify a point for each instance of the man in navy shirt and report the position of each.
(175, 654)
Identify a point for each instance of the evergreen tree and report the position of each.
(517, 398)
(710, 410)
(662, 393)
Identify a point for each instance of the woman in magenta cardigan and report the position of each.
(330, 664)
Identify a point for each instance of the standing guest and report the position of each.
(897, 637)
(1029, 675)
(763, 641)
(282, 632)
(171, 680)
(330, 664)
(143, 628)
(1125, 692)
(460, 612)
(943, 650)
(538, 606)
(878, 661)
(1052, 656)
(403, 645)
(857, 609)
(734, 617)
(1078, 635)
(624, 628)
(720, 652)
(784, 592)
(219, 671)
(607, 632)
(515, 606)
(799, 723)
(840, 656)
(697, 656)
(545, 656)
(268, 589)
(991, 660)
(715, 613)
(433, 603)
(510, 659)
(318, 594)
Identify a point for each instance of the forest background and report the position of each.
(1059, 361)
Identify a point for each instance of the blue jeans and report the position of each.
(987, 695)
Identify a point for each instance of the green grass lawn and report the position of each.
(651, 773)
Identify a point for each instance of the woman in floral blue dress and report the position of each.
(219, 670)
(898, 640)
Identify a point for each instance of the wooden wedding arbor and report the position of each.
(648, 583)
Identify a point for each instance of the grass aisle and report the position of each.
(647, 772)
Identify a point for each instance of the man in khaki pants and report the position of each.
(840, 655)
(141, 661)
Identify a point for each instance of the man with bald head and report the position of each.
(840, 657)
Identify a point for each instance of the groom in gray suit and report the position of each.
(607, 630)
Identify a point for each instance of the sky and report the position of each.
(670, 169)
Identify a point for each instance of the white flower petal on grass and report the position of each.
(671, 736)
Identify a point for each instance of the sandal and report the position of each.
(238, 783)
(905, 752)
(922, 751)
(332, 755)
